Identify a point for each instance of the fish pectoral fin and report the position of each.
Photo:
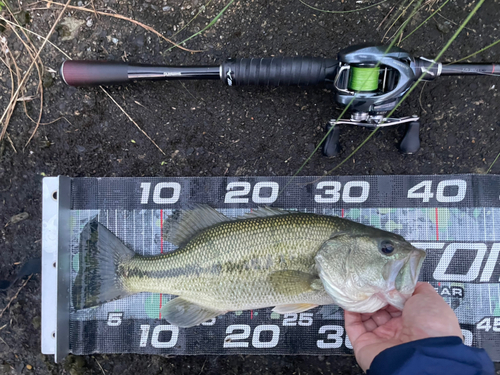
(293, 282)
(293, 308)
(183, 225)
(184, 314)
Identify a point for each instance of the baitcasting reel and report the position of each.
(369, 80)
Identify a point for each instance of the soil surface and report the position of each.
(208, 129)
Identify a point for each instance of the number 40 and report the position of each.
(426, 193)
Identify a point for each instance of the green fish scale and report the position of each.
(228, 266)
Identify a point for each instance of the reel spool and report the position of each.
(364, 78)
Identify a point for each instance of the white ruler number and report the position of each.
(423, 191)
(155, 337)
(330, 192)
(302, 319)
(235, 340)
(172, 195)
(244, 188)
(115, 319)
(334, 338)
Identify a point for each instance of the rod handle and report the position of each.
(93, 73)
(278, 71)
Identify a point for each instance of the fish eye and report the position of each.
(386, 247)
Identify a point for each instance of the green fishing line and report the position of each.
(363, 79)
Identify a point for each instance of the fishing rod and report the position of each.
(369, 79)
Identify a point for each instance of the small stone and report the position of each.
(18, 218)
(68, 28)
(443, 27)
(167, 9)
(29, 367)
(138, 40)
(47, 80)
(24, 18)
(90, 22)
(114, 40)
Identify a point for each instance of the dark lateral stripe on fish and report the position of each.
(189, 270)
(196, 270)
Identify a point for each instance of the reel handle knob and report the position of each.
(331, 146)
(411, 141)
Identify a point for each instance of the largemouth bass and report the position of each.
(269, 257)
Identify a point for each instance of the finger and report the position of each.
(370, 325)
(366, 316)
(396, 314)
(390, 309)
(381, 317)
(353, 325)
(429, 311)
(394, 311)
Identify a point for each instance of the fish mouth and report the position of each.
(412, 263)
(415, 262)
(402, 277)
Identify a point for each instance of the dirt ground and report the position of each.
(208, 129)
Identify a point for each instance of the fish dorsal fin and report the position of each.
(264, 212)
(183, 225)
(292, 282)
(184, 314)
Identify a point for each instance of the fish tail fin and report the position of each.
(101, 258)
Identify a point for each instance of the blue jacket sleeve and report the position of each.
(432, 356)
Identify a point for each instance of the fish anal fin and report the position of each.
(293, 282)
(185, 314)
(183, 225)
(294, 308)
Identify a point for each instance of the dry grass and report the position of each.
(20, 86)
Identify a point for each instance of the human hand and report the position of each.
(425, 315)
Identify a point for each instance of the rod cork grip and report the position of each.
(93, 73)
(277, 71)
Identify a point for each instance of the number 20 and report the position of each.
(244, 188)
(235, 340)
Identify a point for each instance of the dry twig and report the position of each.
(15, 295)
(132, 120)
